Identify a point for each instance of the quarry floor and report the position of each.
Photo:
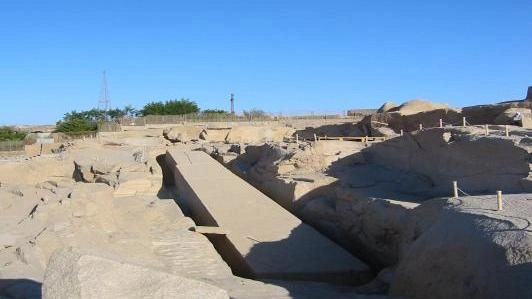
(133, 219)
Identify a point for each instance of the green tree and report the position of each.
(11, 134)
(115, 114)
(171, 107)
(153, 108)
(183, 106)
(90, 115)
(84, 121)
(76, 125)
(130, 111)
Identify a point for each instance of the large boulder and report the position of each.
(73, 274)
(471, 251)
(417, 106)
(387, 107)
(258, 134)
(183, 133)
(82, 173)
(96, 172)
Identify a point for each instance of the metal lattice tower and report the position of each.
(104, 103)
(232, 104)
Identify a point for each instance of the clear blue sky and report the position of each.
(280, 56)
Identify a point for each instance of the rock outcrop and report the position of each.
(287, 173)
(500, 114)
(96, 173)
(440, 248)
(471, 252)
(136, 225)
(236, 134)
(74, 274)
(481, 164)
(410, 115)
(361, 197)
(397, 121)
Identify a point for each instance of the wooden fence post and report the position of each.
(506, 131)
(464, 123)
(441, 123)
(487, 130)
(455, 189)
(499, 200)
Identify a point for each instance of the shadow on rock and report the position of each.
(329, 272)
(20, 288)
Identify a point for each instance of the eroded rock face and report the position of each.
(410, 122)
(481, 164)
(73, 274)
(410, 115)
(493, 114)
(412, 167)
(288, 172)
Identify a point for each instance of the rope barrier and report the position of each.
(492, 130)
(466, 194)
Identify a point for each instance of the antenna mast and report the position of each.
(104, 103)
(232, 104)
